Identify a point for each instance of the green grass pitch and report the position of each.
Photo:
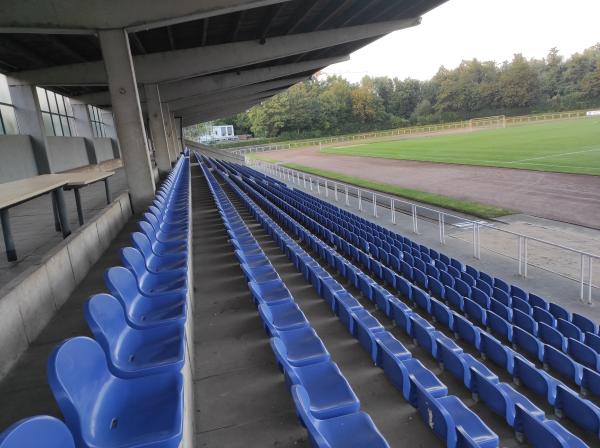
(571, 146)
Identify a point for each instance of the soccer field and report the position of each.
(567, 146)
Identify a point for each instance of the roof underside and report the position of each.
(20, 52)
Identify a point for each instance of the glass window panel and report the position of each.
(61, 104)
(9, 119)
(57, 125)
(43, 99)
(72, 126)
(52, 102)
(4, 93)
(68, 106)
(48, 123)
(65, 126)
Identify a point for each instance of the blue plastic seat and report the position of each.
(462, 287)
(502, 297)
(133, 352)
(503, 399)
(344, 305)
(329, 392)
(420, 278)
(382, 300)
(584, 413)
(151, 283)
(102, 410)
(559, 312)
(515, 291)
(593, 341)
(446, 279)
(568, 329)
(355, 429)
(436, 287)
(482, 298)
(446, 415)
(282, 317)
(142, 311)
(389, 350)
(259, 274)
(365, 329)
(499, 326)
(563, 364)
(552, 336)
(158, 263)
(454, 299)
(167, 244)
(475, 312)
(270, 293)
(534, 379)
(442, 314)
(584, 354)
(406, 374)
(521, 305)
(465, 330)
(535, 300)
(421, 299)
(37, 431)
(528, 343)
(498, 353)
(330, 286)
(524, 321)
(404, 288)
(541, 433)
(542, 316)
(501, 310)
(484, 286)
(585, 324)
(297, 348)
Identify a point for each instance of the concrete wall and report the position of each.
(17, 160)
(67, 153)
(104, 149)
(28, 302)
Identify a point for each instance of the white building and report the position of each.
(219, 133)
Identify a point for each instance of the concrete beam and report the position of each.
(240, 91)
(221, 104)
(157, 129)
(67, 16)
(181, 64)
(202, 85)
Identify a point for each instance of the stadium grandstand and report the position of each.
(181, 298)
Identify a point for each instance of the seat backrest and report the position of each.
(30, 432)
(583, 353)
(77, 372)
(541, 315)
(122, 284)
(134, 261)
(551, 336)
(584, 412)
(153, 220)
(499, 326)
(106, 318)
(528, 343)
(488, 392)
(421, 299)
(568, 329)
(142, 243)
(584, 324)
(536, 300)
(302, 403)
(559, 312)
(525, 321)
(435, 416)
(495, 351)
(148, 230)
(530, 376)
(480, 297)
(502, 296)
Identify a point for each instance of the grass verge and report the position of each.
(468, 207)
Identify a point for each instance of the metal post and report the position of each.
(582, 278)
(375, 205)
(304, 177)
(415, 219)
(318, 187)
(335, 190)
(520, 255)
(393, 210)
(311, 185)
(347, 199)
(326, 189)
(590, 270)
(525, 262)
(441, 227)
(359, 199)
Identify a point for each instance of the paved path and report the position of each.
(568, 198)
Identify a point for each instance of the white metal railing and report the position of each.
(379, 200)
(473, 124)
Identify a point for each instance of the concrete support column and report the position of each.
(128, 116)
(83, 128)
(176, 134)
(168, 116)
(157, 129)
(29, 121)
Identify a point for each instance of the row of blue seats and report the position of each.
(124, 388)
(390, 246)
(325, 401)
(449, 282)
(450, 419)
(582, 354)
(589, 377)
(580, 369)
(383, 306)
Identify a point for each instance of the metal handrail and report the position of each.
(366, 195)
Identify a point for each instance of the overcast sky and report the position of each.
(482, 29)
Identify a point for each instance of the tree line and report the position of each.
(331, 105)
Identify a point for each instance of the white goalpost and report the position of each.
(495, 122)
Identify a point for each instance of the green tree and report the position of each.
(519, 84)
